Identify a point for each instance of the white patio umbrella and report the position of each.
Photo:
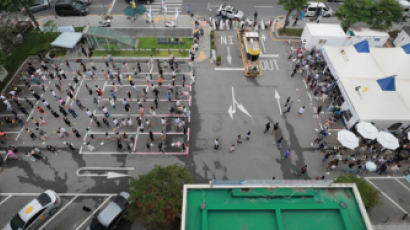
(388, 140)
(371, 166)
(347, 139)
(367, 130)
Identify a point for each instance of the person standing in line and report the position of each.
(67, 121)
(319, 109)
(301, 110)
(287, 154)
(303, 170)
(275, 127)
(279, 142)
(239, 139)
(216, 144)
(248, 135)
(287, 102)
(267, 127)
(232, 148)
(289, 107)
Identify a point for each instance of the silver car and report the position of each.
(40, 5)
(111, 214)
(230, 12)
(34, 214)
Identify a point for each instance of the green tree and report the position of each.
(380, 14)
(157, 196)
(8, 38)
(353, 11)
(385, 13)
(290, 6)
(370, 195)
(19, 5)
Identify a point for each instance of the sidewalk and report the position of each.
(280, 21)
(121, 21)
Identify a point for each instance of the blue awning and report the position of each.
(387, 84)
(406, 48)
(362, 47)
(67, 40)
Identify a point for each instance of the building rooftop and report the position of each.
(273, 206)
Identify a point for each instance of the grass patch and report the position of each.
(290, 32)
(60, 52)
(136, 53)
(78, 28)
(151, 43)
(33, 42)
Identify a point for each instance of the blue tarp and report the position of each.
(406, 48)
(387, 84)
(362, 47)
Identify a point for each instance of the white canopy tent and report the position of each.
(67, 40)
(357, 75)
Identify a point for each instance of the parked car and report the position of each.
(314, 8)
(86, 2)
(111, 214)
(140, 1)
(40, 5)
(32, 215)
(70, 8)
(230, 12)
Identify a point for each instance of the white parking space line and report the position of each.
(60, 194)
(76, 93)
(95, 211)
(402, 184)
(383, 177)
(229, 69)
(385, 195)
(5, 199)
(59, 211)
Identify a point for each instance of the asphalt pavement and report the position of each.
(223, 104)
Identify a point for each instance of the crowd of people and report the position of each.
(50, 83)
(311, 67)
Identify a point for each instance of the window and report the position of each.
(312, 9)
(322, 41)
(29, 222)
(44, 199)
(17, 223)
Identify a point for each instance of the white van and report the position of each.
(313, 8)
(406, 6)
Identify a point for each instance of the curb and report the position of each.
(275, 36)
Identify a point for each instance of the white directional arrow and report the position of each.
(111, 174)
(277, 97)
(263, 38)
(229, 57)
(232, 108)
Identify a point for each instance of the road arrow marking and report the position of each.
(109, 175)
(263, 38)
(229, 58)
(277, 97)
(232, 108)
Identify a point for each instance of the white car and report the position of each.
(32, 215)
(230, 12)
(39, 5)
(111, 214)
(313, 8)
